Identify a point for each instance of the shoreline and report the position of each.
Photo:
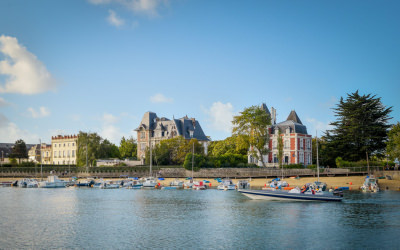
(353, 182)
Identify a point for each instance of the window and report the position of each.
(143, 146)
(68, 144)
(275, 158)
(274, 144)
(59, 145)
(73, 144)
(63, 153)
(64, 144)
(162, 133)
(142, 135)
(301, 143)
(73, 153)
(286, 143)
(55, 145)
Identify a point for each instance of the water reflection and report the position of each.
(93, 218)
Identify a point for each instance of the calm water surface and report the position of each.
(83, 218)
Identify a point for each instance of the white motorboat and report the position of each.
(52, 182)
(293, 195)
(133, 184)
(28, 183)
(370, 184)
(109, 185)
(226, 184)
(149, 182)
(176, 183)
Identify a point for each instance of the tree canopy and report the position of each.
(231, 145)
(96, 147)
(393, 143)
(128, 148)
(361, 127)
(19, 150)
(252, 125)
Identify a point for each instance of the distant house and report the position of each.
(6, 150)
(155, 129)
(297, 143)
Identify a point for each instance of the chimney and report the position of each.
(273, 116)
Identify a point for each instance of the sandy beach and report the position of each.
(353, 182)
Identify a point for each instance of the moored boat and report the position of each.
(370, 184)
(28, 183)
(226, 184)
(292, 195)
(176, 183)
(149, 182)
(52, 182)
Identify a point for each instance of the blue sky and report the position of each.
(98, 65)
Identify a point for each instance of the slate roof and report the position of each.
(182, 126)
(294, 117)
(265, 108)
(294, 127)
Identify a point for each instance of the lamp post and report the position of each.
(41, 163)
(191, 136)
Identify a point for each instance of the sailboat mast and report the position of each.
(316, 139)
(151, 154)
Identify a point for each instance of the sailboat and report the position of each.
(317, 185)
(150, 181)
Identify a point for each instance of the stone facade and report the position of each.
(297, 143)
(155, 129)
(64, 149)
(46, 154)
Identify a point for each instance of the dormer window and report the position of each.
(288, 130)
(191, 132)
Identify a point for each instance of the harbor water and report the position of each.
(84, 218)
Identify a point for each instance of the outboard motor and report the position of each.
(338, 192)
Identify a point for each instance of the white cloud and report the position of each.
(160, 98)
(109, 130)
(316, 125)
(9, 132)
(115, 20)
(143, 7)
(109, 118)
(25, 73)
(42, 112)
(220, 116)
(3, 102)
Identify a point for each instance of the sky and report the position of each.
(98, 65)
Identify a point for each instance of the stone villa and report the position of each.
(155, 129)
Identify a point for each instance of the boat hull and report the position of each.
(286, 196)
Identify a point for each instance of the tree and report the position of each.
(253, 126)
(280, 148)
(19, 150)
(393, 143)
(360, 128)
(88, 144)
(128, 148)
(107, 150)
(231, 145)
(173, 151)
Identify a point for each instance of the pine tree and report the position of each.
(360, 128)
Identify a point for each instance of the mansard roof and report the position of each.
(150, 121)
(294, 127)
(294, 117)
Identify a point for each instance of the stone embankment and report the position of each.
(181, 173)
